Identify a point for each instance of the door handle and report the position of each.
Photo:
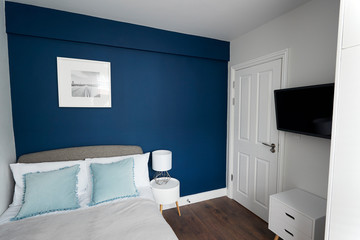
(272, 146)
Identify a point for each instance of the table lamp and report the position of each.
(161, 163)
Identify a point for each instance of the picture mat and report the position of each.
(69, 66)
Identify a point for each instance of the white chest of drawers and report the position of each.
(297, 215)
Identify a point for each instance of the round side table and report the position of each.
(166, 193)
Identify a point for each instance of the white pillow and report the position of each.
(141, 171)
(19, 169)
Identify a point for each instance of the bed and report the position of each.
(124, 218)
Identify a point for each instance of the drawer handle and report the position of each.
(290, 216)
(288, 232)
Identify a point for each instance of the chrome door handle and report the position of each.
(272, 146)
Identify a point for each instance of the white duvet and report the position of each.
(144, 192)
(136, 218)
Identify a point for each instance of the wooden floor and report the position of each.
(220, 218)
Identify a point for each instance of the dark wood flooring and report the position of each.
(217, 219)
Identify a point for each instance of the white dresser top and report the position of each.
(309, 204)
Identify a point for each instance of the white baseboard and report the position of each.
(199, 197)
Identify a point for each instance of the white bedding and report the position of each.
(144, 192)
(136, 218)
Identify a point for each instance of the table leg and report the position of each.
(276, 237)
(161, 207)
(177, 205)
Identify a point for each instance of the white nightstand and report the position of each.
(297, 215)
(166, 193)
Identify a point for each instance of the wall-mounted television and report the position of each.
(305, 110)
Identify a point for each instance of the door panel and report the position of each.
(243, 173)
(261, 181)
(264, 106)
(255, 166)
(244, 130)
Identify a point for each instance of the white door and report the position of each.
(255, 164)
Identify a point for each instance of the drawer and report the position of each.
(286, 231)
(282, 213)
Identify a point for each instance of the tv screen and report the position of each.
(305, 110)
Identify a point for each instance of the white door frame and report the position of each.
(283, 55)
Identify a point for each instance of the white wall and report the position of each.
(310, 34)
(7, 146)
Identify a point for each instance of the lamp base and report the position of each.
(162, 177)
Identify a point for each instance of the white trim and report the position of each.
(199, 197)
(284, 56)
(334, 121)
(229, 138)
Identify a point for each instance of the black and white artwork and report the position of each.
(83, 83)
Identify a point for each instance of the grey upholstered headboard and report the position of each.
(79, 153)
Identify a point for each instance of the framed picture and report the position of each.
(83, 83)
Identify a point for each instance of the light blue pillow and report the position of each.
(112, 181)
(50, 191)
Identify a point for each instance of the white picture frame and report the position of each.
(83, 83)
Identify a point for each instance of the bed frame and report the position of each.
(107, 221)
(80, 153)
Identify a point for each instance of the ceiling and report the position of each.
(219, 19)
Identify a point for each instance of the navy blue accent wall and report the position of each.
(160, 100)
(48, 23)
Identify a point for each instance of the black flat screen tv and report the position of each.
(305, 110)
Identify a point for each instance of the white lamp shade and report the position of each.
(161, 160)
